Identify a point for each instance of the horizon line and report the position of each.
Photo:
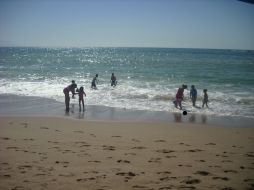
(83, 47)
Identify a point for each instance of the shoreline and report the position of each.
(14, 105)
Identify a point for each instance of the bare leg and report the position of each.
(83, 105)
(67, 102)
(180, 104)
(79, 105)
(175, 103)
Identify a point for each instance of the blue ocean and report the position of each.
(148, 78)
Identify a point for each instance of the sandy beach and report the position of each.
(65, 153)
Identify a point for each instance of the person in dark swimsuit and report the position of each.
(94, 82)
(66, 91)
(205, 100)
(193, 95)
(113, 80)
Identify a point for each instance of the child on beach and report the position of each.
(205, 100)
(94, 82)
(193, 95)
(81, 94)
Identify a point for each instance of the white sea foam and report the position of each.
(128, 95)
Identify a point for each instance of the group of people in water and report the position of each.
(193, 96)
(81, 93)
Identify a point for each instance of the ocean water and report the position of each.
(148, 78)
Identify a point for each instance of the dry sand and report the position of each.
(59, 153)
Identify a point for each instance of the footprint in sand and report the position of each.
(184, 144)
(139, 187)
(165, 188)
(44, 127)
(163, 141)
(94, 161)
(203, 173)
(221, 178)
(165, 178)
(127, 175)
(31, 139)
(195, 150)
(200, 160)
(65, 164)
(82, 144)
(213, 144)
(25, 167)
(85, 179)
(68, 151)
(165, 151)
(132, 154)
(123, 161)
(91, 172)
(39, 174)
(18, 188)
(53, 142)
(227, 188)
(131, 174)
(78, 132)
(5, 176)
(4, 164)
(155, 160)
(185, 187)
(230, 171)
(170, 156)
(67, 175)
(226, 161)
(234, 146)
(250, 154)
(215, 166)
(139, 147)
(107, 147)
(189, 166)
(249, 180)
(191, 181)
(116, 136)
(5, 138)
(164, 173)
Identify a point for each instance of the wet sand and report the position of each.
(13, 105)
(65, 153)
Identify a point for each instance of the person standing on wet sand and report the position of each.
(66, 91)
(193, 95)
(179, 96)
(205, 100)
(81, 94)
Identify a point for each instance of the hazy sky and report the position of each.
(127, 23)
